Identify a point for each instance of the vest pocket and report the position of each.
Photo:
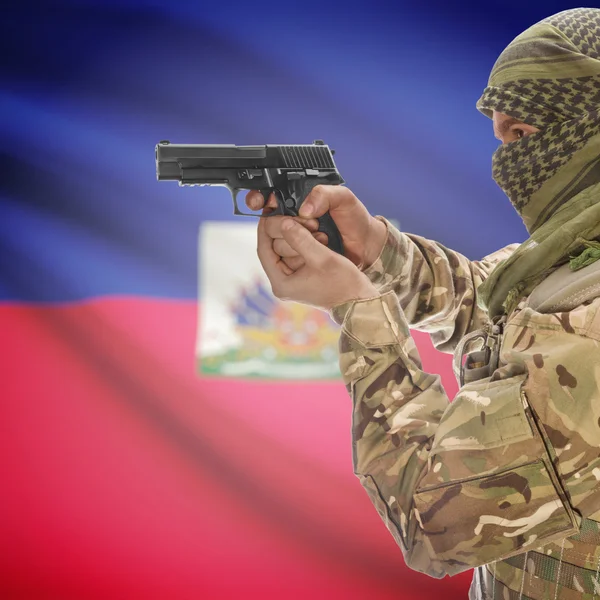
(484, 414)
(477, 520)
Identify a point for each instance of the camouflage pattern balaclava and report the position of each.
(548, 77)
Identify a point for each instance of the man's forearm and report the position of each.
(436, 286)
(465, 483)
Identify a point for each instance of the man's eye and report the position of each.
(519, 133)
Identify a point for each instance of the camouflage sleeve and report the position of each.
(457, 484)
(436, 286)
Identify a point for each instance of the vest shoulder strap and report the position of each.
(563, 290)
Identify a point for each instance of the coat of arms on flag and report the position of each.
(243, 330)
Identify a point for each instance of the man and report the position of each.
(505, 478)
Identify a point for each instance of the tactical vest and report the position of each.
(570, 569)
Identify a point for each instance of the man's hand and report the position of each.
(324, 280)
(362, 234)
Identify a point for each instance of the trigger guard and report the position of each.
(234, 194)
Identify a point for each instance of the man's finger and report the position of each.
(254, 200)
(302, 241)
(283, 249)
(324, 198)
(272, 264)
(294, 262)
(272, 201)
(273, 225)
(321, 237)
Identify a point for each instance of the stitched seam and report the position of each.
(578, 294)
(535, 326)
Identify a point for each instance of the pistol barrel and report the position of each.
(173, 159)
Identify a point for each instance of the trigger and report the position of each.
(272, 211)
(265, 195)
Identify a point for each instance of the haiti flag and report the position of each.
(170, 430)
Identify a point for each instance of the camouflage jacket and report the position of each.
(512, 463)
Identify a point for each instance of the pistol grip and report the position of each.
(291, 204)
(327, 225)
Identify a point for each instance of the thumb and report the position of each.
(302, 241)
(321, 199)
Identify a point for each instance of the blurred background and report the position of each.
(126, 473)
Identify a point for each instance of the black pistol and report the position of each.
(290, 172)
